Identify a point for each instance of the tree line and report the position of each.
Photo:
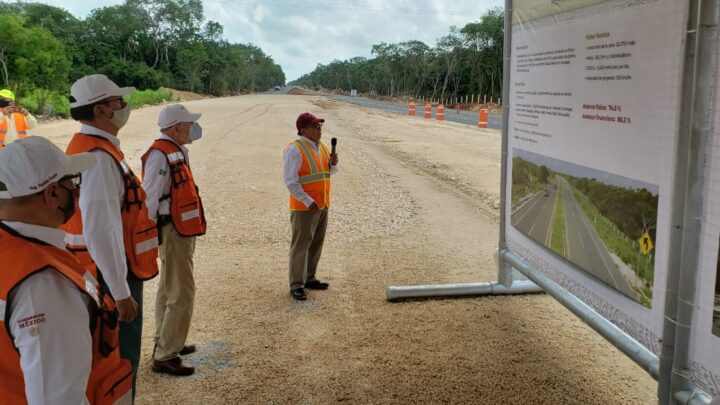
(143, 43)
(465, 61)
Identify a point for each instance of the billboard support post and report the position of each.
(505, 272)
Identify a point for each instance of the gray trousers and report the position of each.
(308, 235)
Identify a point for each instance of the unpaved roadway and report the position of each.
(414, 203)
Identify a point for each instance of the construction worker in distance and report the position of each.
(173, 199)
(48, 354)
(14, 120)
(308, 165)
(111, 232)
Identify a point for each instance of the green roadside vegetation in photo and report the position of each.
(139, 98)
(527, 179)
(625, 247)
(557, 240)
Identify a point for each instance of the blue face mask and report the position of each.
(195, 131)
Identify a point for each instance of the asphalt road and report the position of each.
(584, 247)
(464, 117)
(534, 218)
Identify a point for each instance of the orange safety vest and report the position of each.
(186, 209)
(314, 175)
(139, 231)
(110, 376)
(20, 127)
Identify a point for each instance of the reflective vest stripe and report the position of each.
(310, 156)
(125, 167)
(175, 157)
(75, 240)
(190, 214)
(2, 310)
(314, 177)
(146, 246)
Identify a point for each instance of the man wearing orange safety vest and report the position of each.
(112, 231)
(308, 165)
(174, 201)
(14, 120)
(59, 341)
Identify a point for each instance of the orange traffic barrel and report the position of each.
(411, 108)
(483, 118)
(428, 111)
(440, 114)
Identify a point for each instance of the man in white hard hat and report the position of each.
(52, 308)
(112, 232)
(174, 201)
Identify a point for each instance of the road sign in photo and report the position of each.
(603, 223)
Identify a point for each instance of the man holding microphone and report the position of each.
(308, 164)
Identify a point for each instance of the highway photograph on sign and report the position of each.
(602, 223)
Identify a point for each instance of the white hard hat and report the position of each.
(174, 114)
(93, 88)
(30, 165)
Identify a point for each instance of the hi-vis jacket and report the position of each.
(314, 175)
(20, 127)
(186, 209)
(110, 378)
(139, 231)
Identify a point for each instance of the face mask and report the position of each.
(195, 131)
(4, 103)
(68, 209)
(120, 117)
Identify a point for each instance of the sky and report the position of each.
(300, 34)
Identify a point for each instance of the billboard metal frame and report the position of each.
(672, 368)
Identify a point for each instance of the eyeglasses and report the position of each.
(74, 179)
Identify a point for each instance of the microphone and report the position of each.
(333, 142)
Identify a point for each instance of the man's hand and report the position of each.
(22, 111)
(127, 309)
(313, 207)
(333, 159)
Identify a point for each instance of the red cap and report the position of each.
(305, 119)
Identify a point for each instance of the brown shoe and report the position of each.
(172, 367)
(188, 349)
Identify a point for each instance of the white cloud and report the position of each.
(300, 34)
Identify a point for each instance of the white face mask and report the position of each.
(195, 132)
(120, 117)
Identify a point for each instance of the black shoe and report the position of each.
(298, 294)
(172, 367)
(188, 349)
(316, 285)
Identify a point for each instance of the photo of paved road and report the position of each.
(534, 218)
(583, 245)
(557, 204)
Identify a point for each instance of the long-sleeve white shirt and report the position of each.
(157, 180)
(11, 135)
(50, 324)
(293, 160)
(101, 196)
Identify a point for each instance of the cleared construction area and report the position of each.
(415, 202)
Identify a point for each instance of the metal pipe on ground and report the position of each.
(397, 293)
(626, 344)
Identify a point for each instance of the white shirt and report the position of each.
(11, 135)
(101, 195)
(293, 160)
(157, 181)
(50, 323)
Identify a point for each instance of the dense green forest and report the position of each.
(147, 44)
(466, 61)
(527, 178)
(633, 211)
